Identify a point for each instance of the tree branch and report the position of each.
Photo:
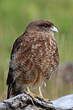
(26, 102)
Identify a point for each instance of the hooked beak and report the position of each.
(54, 29)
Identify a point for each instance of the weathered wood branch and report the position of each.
(26, 102)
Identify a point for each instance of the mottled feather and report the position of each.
(34, 57)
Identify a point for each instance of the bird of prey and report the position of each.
(34, 57)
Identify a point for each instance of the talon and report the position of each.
(30, 93)
(41, 96)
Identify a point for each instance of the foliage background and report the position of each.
(15, 15)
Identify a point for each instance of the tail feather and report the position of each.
(9, 91)
(14, 90)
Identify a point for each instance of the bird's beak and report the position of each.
(54, 29)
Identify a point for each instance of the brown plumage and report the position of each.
(33, 58)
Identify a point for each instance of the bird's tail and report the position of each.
(9, 91)
(14, 90)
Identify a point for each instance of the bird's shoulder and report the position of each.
(17, 44)
(31, 42)
(16, 48)
(23, 40)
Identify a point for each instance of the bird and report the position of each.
(34, 57)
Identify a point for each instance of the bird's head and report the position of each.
(42, 26)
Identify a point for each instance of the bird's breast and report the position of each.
(37, 58)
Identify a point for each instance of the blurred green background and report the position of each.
(15, 15)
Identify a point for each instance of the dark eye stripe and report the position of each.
(45, 25)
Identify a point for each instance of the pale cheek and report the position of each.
(52, 33)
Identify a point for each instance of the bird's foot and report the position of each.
(44, 99)
(47, 100)
(33, 95)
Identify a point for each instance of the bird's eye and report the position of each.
(44, 25)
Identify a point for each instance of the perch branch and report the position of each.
(26, 102)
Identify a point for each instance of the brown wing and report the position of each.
(18, 54)
(15, 49)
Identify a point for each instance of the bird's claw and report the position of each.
(44, 99)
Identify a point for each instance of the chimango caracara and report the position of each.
(34, 57)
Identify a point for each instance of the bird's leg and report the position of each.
(28, 90)
(30, 93)
(41, 96)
